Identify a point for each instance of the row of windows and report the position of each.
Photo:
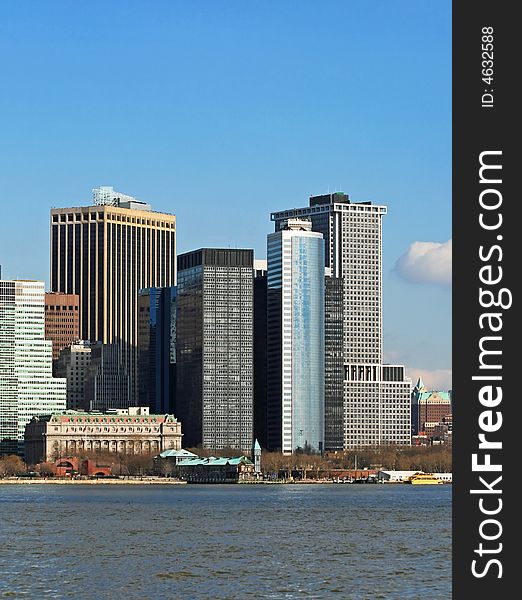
(62, 218)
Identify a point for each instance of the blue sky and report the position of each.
(223, 111)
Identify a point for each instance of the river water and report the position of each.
(351, 542)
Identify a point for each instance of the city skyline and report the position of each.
(442, 376)
(231, 127)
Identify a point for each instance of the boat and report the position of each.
(424, 479)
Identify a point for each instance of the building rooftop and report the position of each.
(334, 198)
(177, 453)
(220, 257)
(427, 395)
(213, 461)
(297, 225)
(79, 416)
(107, 195)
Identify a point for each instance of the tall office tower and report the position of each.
(106, 385)
(157, 349)
(214, 345)
(105, 253)
(73, 364)
(333, 362)
(27, 387)
(376, 405)
(295, 338)
(62, 320)
(260, 405)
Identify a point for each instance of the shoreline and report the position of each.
(100, 481)
(164, 481)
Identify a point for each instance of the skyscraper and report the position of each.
(214, 346)
(376, 406)
(105, 253)
(62, 320)
(295, 337)
(333, 362)
(27, 387)
(157, 348)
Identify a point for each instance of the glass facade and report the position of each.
(157, 348)
(307, 341)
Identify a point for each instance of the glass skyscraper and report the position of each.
(214, 347)
(157, 349)
(295, 338)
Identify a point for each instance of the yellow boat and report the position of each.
(424, 479)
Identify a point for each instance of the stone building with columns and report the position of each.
(123, 431)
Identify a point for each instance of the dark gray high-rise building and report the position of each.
(214, 347)
(333, 362)
(105, 253)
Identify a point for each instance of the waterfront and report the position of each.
(353, 542)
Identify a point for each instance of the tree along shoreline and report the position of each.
(431, 459)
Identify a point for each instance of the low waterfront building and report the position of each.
(396, 476)
(215, 470)
(72, 466)
(176, 456)
(123, 431)
(166, 461)
(404, 476)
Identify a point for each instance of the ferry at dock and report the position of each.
(424, 479)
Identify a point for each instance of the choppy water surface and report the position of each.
(235, 542)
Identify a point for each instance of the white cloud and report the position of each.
(426, 262)
(437, 379)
